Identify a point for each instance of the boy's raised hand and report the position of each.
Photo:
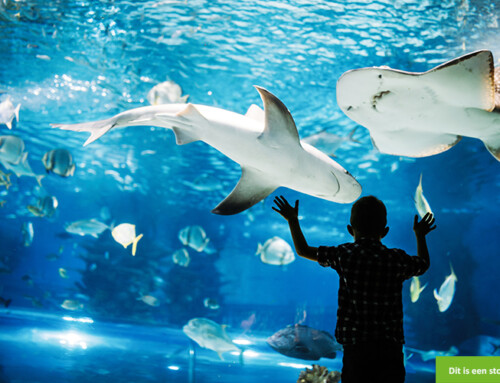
(285, 209)
(425, 226)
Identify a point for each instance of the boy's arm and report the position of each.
(291, 214)
(421, 229)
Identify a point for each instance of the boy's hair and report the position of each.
(369, 216)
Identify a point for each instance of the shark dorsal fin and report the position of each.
(256, 113)
(279, 127)
(467, 81)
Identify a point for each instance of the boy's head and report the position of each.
(368, 218)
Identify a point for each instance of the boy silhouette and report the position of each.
(370, 308)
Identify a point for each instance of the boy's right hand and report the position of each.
(423, 227)
(285, 209)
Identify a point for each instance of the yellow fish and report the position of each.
(415, 289)
(124, 234)
(446, 292)
(421, 203)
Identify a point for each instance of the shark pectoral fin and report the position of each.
(251, 188)
(256, 112)
(493, 145)
(279, 129)
(475, 87)
(412, 143)
(184, 122)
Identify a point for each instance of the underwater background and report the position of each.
(82, 308)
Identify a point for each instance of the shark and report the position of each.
(265, 143)
(419, 114)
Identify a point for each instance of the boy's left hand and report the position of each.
(285, 209)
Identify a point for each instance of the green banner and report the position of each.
(468, 369)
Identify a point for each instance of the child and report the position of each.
(370, 308)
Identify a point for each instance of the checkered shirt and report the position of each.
(370, 289)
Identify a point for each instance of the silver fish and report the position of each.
(60, 162)
(8, 112)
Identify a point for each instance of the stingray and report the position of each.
(265, 143)
(422, 114)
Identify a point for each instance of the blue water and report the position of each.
(75, 61)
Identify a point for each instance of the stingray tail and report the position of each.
(95, 128)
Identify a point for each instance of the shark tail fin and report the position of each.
(95, 128)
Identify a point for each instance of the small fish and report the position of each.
(446, 292)
(211, 304)
(421, 203)
(181, 258)
(275, 251)
(329, 142)
(52, 257)
(5, 302)
(432, 354)
(209, 334)
(124, 234)
(72, 305)
(45, 207)
(11, 149)
(83, 227)
(8, 112)
(5, 180)
(149, 300)
(60, 162)
(35, 301)
(28, 233)
(167, 92)
(23, 168)
(26, 278)
(304, 342)
(246, 324)
(194, 237)
(63, 273)
(415, 289)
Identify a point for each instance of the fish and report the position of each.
(211, 303)
(5, 302)
(209, 334)
(329, 142)
(415, 289)
(432, 354)
(63, 273)
(167, 92)
(419, 114)
(194, 237)
(5, 180)
(421, 203)
(91, 227)
(28, 233)
(266, 145)
(23, 168)
(60, 162)
(446, 292)
(72, 305)
(275, 251)
(181, 257)
(11, 149)
(27, 279)
(124, 234)
(304, 342)
(149, 300)
(8, 112)
(45, 207)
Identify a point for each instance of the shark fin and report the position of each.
(467, 81)
(183, 122)
(256, 113)
(412, 143)
(250, 189)
(96, 128)
(279, 129)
